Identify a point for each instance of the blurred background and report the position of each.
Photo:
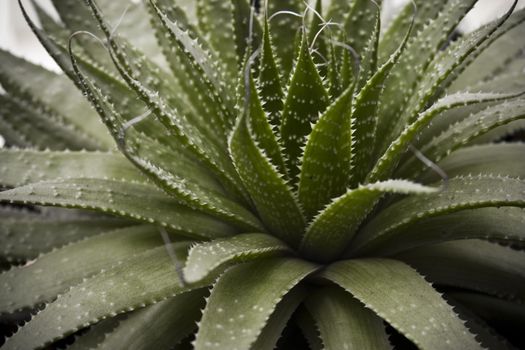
(16, 36)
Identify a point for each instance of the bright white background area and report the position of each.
(16, 36)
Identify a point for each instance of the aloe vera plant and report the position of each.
(263, 175)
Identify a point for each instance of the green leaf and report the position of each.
(278, 320)
(262, 129)
(445, 64)
(421, 50)
(55, 95)
(273, 198)
(393, 35)
(306, 98)
(492, 309)
(309, 328)
(208, 257)
(493, 60)
(128, 19)
(24, 238)
(130, 200)
(174, 121)
(325, 167)
(53, 273)
(365, 15)
(24, 124)
(149, 278)
(22, 167)
(365, 116)
(470, 192)
(242, 10)
(473, 264)
(216, 21)
(462, 132)
(159, 326)
(503, 225)
(344, 322)
(235, 320)
(284, 28)
(498, 159)
(337, 9)
(333, 228)
(402, 297)
(96, 334)
(385, 166)
(269, 80)
(194, 66)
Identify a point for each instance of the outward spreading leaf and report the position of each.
(402, 297)
(496, 224)
(420, 51)
(462, 193)
(55, 272)
(206, 258)
(26, 237)
(478, 265)
(263, 285)
(344, 322)
(160, 325)
(149, 278)
(334, 227)
(54, 95)
(389, 160)
(21, 167)
(130, 200)
(466, 130)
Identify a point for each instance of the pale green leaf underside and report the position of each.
(344, 323)
(131, 200)
(205, 258)
(402, 297)
(233, 319)
(41, 280)
(148, 278)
